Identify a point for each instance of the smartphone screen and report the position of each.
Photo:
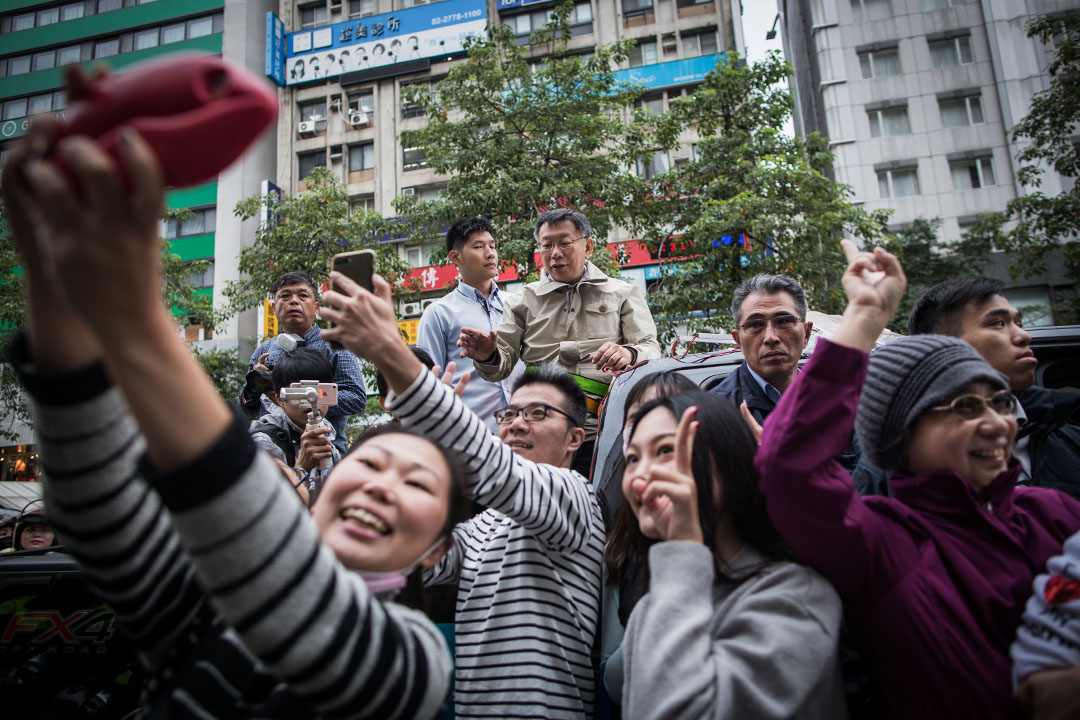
(358, 266)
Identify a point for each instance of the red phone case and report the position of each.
(197, 112)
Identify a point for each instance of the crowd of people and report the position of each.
(883, 531)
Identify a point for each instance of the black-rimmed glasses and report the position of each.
(531, 413)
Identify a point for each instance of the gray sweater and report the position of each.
(764, 647)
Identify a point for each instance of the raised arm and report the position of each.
(555, 503)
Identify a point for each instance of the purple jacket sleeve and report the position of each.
(811, 498)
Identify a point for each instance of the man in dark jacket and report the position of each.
(974, 309)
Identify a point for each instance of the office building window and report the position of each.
(199, 222)
(314, 112)
(310, 161)
(146, 39)
(636, 7)
(48, 16)
(413, 158)
(940, 4)
(68, 55)
(363, 101)
(971, 174)
(699, 43)
(361, 157)
(898, 183)
(107, 48)
(39, 104)
(889, 121)
(880, 63)
(414, 3)
(364, 203)
(25, 106)
(18, 65)
(72, 11)
(525, 24)
(960, 112)
(650, 167)
(653, 102)
(14, 109)
(200, 27)
(951, 52)
(104, 6)
(47, 60)
(863, 10)
(644, 53)
(312, 15)
(408, 109)
(22, 22)
(361, 8)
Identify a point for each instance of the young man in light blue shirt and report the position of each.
(475, 302)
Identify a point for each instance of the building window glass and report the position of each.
(314, 112)
(364, 203)
(15, 109)
(104, 6)
(650, 167)
(200, 222)
(410, 110)
(172, 34)
(44, 60)
(951, 52)
(413, 158)
(880, 63)
(644, 53)
(74, 11)
(363, 102)
(312, 15)
(22, 22)
(940, 4)
(971, 174)
(961, 111)
(699, 43)
(107, 48)
(310, 161)
(146, 39)
(361, 8)
(899, 183)
(361, 157)
(863, 10)
(40, 104)
(653, 102)
(889, 122)
(18, 65)
(636, 7)
(200, 27)
(48, 16)
(68, 55)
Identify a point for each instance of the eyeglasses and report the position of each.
(564, 244)
(532, 413)
(782, 323)
(972, 407)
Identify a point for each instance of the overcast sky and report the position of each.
(757, 19)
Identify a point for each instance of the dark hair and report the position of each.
(770, 285)
(724, 447)
(668, 382)
(32, 517)
(421, 355)
(938, 310)
(459, 503)
(554, 217)
(560, 379)
(459, 232)
(301, 364)
(294, 278)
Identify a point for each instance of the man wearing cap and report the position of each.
(575, 316)
(474, 302)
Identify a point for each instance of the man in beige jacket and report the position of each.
(574, 316)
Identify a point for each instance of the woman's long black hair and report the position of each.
(723, 446)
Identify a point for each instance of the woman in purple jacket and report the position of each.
(933, 579)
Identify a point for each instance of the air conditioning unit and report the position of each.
(306, 127)
(336, 153)
(408, 192)
(425, 304)
(411, 309)
(359, 119)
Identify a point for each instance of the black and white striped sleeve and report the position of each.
(554, 504)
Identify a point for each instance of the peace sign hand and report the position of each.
(670, 493)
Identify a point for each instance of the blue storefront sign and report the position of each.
(672, 73)
(275, 48)
(427, 31)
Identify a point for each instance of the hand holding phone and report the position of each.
(358, 266)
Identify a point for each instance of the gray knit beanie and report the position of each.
(906, 377)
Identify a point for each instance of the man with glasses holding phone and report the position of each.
(575, 316)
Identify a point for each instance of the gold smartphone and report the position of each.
(358, 266)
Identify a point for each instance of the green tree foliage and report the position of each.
(926, 262)
(522, 129)
(308, 229)
(226, 370)
(747, 179)
(1036, 225)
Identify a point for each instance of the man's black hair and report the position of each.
(301, 364)
(460, 231)
(294, 278)
(550, 374)
(421, 355)
(938, 310)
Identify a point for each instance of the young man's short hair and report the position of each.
(558, 377)
(294, 278)
(460, 231)
(301, 364)
(938, 310)
(421, 355)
